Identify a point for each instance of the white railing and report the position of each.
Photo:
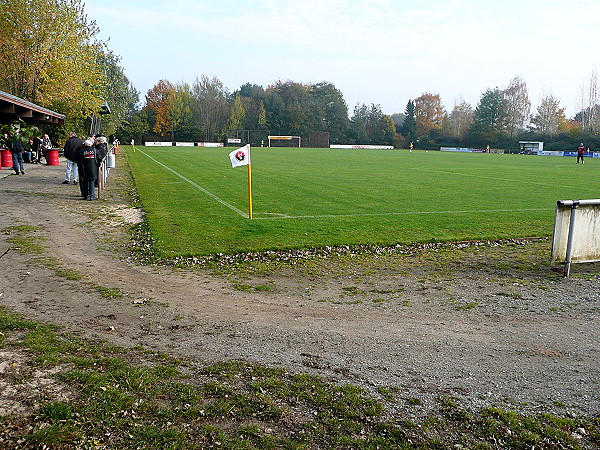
(107, 163)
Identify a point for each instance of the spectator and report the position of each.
(102, 146)
(16, 149)
(36, 149)
(27, 154)
(72, 145)
(46, 145)
(88, 155)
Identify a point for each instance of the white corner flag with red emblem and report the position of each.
(241, 157)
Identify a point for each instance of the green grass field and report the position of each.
(196, 204)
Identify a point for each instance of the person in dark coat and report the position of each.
(70, 150)
(580, 153)
(17, 149)
(36, 149)
(79, 162)
(101, 146)
(88, 173)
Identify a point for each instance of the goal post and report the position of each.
(288, 140)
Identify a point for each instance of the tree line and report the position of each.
(64, 66)
(207, 111)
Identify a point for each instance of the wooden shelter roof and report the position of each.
(12, 107)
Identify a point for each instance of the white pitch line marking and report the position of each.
(406, 213)
(197, 186)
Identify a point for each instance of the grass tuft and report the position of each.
(133, 398)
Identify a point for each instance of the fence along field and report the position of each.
(196, 204)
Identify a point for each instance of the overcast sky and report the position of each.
(374, 51)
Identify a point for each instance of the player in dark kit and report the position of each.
(580, 153)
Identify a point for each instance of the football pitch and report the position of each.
(196, 204)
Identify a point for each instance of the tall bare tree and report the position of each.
(461, 119)
(589, 102)
(518, 106)
(212, 106)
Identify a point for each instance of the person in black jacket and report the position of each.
(88, 169)
(71, 146)
(101, 146)
(36, 149)
(17, 149)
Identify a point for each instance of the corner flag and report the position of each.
(240, 157)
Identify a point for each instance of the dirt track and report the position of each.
(486, 324)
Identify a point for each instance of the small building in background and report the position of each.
(531, 147)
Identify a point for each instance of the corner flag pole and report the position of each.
(249, 191)
(241, 157)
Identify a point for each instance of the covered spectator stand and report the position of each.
(14, 108)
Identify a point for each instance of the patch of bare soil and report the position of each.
(488, 323)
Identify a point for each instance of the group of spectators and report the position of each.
(31, 151)
(84, 156)
(38, 148)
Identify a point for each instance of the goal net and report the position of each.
(284, 141)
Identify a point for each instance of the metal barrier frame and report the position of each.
(574, 204)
